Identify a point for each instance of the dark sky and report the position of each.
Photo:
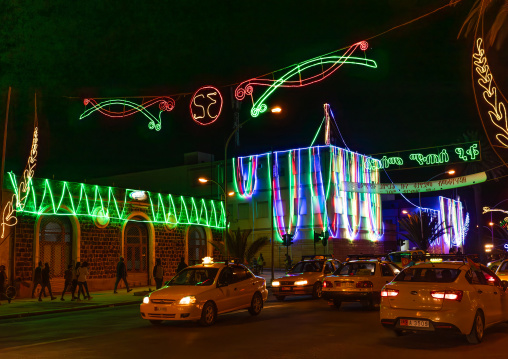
(419, 96)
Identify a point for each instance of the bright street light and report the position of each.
(276, 110)
(202, 180)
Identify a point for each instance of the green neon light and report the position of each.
(80, 199)
(430, 159)
(142, 109)
(260, 106)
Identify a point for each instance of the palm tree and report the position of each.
(237, 245)
(422, 231)
(486, 10)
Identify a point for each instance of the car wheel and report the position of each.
(156, 322)
(208, 315)
(256, 304)
(317, 291)
(476, 335)
(280, 298)
(337, 303)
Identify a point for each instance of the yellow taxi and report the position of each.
(201, 292)
(403, 258)
(462, 297)
(502, 270)
(305, 277)
(359, 280)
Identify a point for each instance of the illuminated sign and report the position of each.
(206, 105)
(138, 195)
(506, 246)
(457, 153)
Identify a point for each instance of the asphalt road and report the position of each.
(295, 328)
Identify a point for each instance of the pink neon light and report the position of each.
(165, 104)
(246, 87)
(209, 96)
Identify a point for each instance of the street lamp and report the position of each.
(224, 233)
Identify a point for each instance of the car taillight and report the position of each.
(364, 284)
(449, 295)
(327, 284)
(389, 293)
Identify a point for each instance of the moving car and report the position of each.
(502, 270)
(359, 280)
(462, 297)
(403, 258)
(203, 291)
(305, 277)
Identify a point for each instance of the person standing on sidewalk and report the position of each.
(68, 280)
(46, 282)
(261, 263)
(181, 266)
(38, 280)
(3, 283)
(158, 274)
(121, 273)
(75, 279)
(82, 273)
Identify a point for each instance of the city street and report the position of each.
(296, 328)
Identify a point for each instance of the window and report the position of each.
(240, 274)
(262, 208)
(358, 269)
(243, 211)
(231, 212)
(386, 271)
(55, 243)
(433, 275)
(328, 267)
(301, 205)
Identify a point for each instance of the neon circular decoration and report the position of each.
(101, 217)
(206, 105)
(171, 221)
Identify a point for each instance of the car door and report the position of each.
(486, 297)
(225, 299)
(499, 295)
(242, 287)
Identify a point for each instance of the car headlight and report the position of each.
(275, 283)
(301, 282)
(188, 300)
(146, 300)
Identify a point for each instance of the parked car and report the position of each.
(203, 291)
(359, 280)
(502, 270)
(461, 297)
(305, 277)
(403, 258)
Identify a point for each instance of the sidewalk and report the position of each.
(27, 307)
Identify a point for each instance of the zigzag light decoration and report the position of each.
(79, 199)
(165, 104)
(288, 79)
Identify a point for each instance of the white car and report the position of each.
(201, 292)
(359, 281)
(502, 270)
(460, 297)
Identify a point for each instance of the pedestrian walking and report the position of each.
(181, 266)
(287, 262)
(3, 284)
(37, 279)
(261, 263)
(68, 281)
(75, 279)
(121, 274)
(82, 274)
(46, 283)
(158, 274)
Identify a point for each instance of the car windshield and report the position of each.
(195, 276)
(357, 269)
(302, 267)
(426, 274)
(504, 267)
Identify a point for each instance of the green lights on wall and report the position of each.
(79, 199)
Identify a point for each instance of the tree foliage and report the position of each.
(238, 247)
(422, 231)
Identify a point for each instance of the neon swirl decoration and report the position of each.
(294, 78)
(166, 104)
(497, 112)
(212, 98)
(81, 200)
(245, 187)
(19, 198)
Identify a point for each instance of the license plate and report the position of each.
(285, 289)
(344, 284)
(159, 309)
(414, 323)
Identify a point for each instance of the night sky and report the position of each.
(419, 96)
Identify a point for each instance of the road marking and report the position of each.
(44, 343)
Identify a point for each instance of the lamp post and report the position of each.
(491, 223)
(224, 233)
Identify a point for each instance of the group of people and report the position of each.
(74, 276)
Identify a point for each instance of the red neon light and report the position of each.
(204, 103)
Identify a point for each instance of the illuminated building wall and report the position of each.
(63, 222)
